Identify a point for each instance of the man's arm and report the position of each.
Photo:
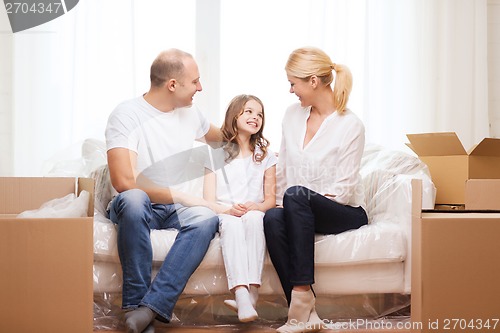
(213, 136)
(122, 163)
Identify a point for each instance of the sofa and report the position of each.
(363, 273)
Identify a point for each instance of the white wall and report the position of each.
(494, 66)
(209, 63)
(6, 135)
(208, 57)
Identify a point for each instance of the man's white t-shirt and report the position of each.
(163, 141)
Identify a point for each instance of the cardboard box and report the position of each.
(451, 165)
(455, 270)
(47, 275)
(482, 194)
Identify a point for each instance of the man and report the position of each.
(141, 134)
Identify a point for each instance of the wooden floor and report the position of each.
(250, 329)
(385, 325)
(255, 330)
(391, 326)
(219, 319)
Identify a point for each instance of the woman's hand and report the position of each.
(330, 196)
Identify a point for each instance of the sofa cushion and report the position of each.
(373, 243)
(381, 242)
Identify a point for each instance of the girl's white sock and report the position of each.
(246, 311)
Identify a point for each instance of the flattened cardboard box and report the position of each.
(46, 263)
(451, 165)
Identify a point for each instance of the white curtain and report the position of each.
(70, 73)
(426, 69)
(454, 84)
(418, 65)
(66, 75)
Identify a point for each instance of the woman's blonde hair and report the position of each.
(308, 61)
(230, 129)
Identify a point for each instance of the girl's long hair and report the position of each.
(230, 130)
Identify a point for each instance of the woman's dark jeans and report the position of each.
(290, 232)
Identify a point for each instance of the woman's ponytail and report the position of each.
(342, 87)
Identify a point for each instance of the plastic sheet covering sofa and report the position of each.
(362, 273)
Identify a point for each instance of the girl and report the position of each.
(243, 188)
(318, 177)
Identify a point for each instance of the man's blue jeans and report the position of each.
(135, 216)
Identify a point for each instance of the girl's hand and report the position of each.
(237, 210)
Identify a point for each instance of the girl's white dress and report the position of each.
(242, 238)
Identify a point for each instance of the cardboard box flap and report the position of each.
(411, 147)
(487, 147)
(24, 193)
(87, 184)
(482, 194)
(436, 144)
(18, 194)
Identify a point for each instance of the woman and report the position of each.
(318, 170)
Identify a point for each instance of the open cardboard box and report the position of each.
(46, 262)
(451, 165)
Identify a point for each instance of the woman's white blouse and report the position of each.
(329, 164)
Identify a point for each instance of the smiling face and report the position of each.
(250, 120)
(243, 126)
(189, 84)
(302, 89)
